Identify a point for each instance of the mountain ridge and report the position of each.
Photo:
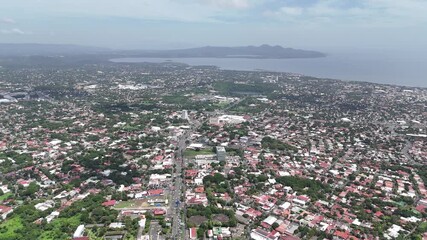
(262, 51)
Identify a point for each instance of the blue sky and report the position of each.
(147, 24)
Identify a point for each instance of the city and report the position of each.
(144, 151)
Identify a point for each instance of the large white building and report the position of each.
(228, 119)
(220, 153)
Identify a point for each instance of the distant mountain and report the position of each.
(31, 49)
(263, 51)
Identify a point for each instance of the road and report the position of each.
(140, 232)
(178, 189)
(176, 206)
(155, 230)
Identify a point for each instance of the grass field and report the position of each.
(132, 204)
(125, 204)
(7, 228)
(5, 196)
(192, 153)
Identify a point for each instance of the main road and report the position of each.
(177, 207)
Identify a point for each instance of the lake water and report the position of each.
(397, 69)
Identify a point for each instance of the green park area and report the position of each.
(190, 153)
(138, 204)
(132, 204)
(55, 229)
(8, 228)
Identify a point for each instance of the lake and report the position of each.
(386, 68)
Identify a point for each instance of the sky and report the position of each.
(169, 24)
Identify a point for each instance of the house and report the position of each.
(44, 205)
(159, 211)
(200, 189)
(268, 222)
(223, 232)
(109, 203)
(289, 238)
(259, 234)
(301, 200)
(193, 233)
(116, 225)
(5, 210)
(81, 238)
(155, 192)
(51, 216)
(342, 235)
(79, 231)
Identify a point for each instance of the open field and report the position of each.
(220, 218)
(141, 203)
(189, 153)
(197, 220)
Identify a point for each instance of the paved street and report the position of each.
(175, 208)
(178, 224)
(155, 230)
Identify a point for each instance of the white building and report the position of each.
(184, 114)
(79, 231)
(228, 119)
(220, 153)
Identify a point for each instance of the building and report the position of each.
(79, 231)
(227, 119)
(259, 234)
(220, 153)
(193, 233)
(4, 211)
(184, 114)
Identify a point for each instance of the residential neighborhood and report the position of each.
(171, 151)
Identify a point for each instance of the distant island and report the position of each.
(257, 52)
(263, 51)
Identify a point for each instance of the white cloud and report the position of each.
(292, 11)
(200, 11)
(365, 12)
(238, 4)
(285, 13)
(15, 31)
(7, 20)
(171, 10)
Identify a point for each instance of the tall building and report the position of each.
(220, 153)
(184, 114)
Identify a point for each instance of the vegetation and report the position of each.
(9, 229)
(254, 88)
(192, 153)
(274, 144)
(314, 189)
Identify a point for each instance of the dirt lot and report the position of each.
(221, 218)
(197, 220)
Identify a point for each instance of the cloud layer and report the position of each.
(220, 22)
(7, 20)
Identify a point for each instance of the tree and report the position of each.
(200, 233)
(275, 225)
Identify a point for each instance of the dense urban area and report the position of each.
(171, 151)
